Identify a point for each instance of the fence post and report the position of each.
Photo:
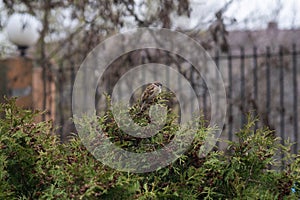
(255, 89)
(230, 115)
(281, 102)
(60, 106)
(268, 84)
(295, 104)
(242, 67)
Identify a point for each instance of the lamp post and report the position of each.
(19, 77)
(22, 30)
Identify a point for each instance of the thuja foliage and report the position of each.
(35, 165)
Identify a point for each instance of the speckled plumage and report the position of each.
(151, 91)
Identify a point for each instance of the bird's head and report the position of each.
(158, 84)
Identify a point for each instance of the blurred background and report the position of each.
(255, 45)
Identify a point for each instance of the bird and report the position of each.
(149, 94)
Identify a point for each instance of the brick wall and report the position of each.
(19, 78)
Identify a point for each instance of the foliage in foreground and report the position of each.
(35, 165)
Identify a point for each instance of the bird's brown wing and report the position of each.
(148, 93)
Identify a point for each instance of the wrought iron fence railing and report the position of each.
(264, 82)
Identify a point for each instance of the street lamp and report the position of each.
(22, 30)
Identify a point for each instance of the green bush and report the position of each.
(35, 165)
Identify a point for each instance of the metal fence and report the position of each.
(263, 81)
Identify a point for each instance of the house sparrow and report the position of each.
(151, 91)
